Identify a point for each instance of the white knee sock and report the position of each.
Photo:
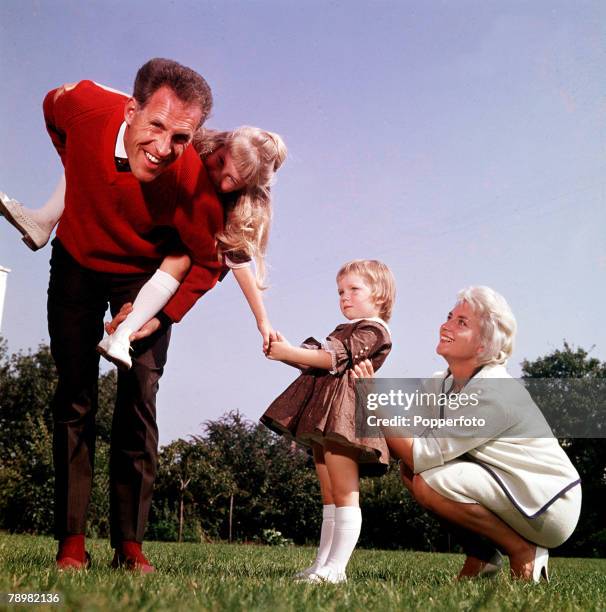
(48, 216)
(326, 534)
(348, 524)
(152, 297)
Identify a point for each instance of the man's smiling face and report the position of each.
(158, 133)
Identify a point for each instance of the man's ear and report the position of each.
(130, 109)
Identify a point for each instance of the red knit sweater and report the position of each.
(114, 223)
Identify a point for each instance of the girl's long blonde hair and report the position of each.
(257, 155)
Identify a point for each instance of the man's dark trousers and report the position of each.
(77, 301)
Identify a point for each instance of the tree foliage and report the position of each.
(27, 383)
(587, 454)
(240, 470)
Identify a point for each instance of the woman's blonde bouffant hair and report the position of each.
(498, 325)
(379, 279)
(257, 155)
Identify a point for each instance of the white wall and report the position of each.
(3, 276)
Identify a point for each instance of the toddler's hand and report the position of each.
(282, 339)
(278, 349)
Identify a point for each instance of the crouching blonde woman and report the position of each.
(511, 483)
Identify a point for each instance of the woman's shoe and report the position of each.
(492, 567)
(478, 568)
(539, 569)
(34, 235)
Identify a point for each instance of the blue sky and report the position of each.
(460, 142)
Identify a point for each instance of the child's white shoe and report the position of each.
(304, 574)
(326, 575)
(116, 348)
(34, 235)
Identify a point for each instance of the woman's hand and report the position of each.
(364, 369)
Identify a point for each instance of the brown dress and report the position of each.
(321, 404)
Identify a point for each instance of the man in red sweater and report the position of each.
(135, 191)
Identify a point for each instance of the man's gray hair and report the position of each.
(187, 84)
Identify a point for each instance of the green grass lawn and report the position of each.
(242, 577)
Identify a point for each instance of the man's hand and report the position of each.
(63, 89)
(126, 309)
(153, 325)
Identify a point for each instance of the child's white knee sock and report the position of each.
(152, 297)
(348, 524)
(326, 535)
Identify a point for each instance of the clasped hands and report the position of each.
(278, 348)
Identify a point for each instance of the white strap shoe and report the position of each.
(116, 348)
(34, 236)
(304, 574)
(326, 575)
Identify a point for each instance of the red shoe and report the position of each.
(71, 555)
(130, 556)
(69, 563)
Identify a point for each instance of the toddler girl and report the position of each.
(318, 409)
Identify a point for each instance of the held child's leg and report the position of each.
(328, 515)
(48, 216)
(156, 292)
(36, 225)
(343, 470)
(152, 297)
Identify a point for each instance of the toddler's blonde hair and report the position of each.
(379, 279)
